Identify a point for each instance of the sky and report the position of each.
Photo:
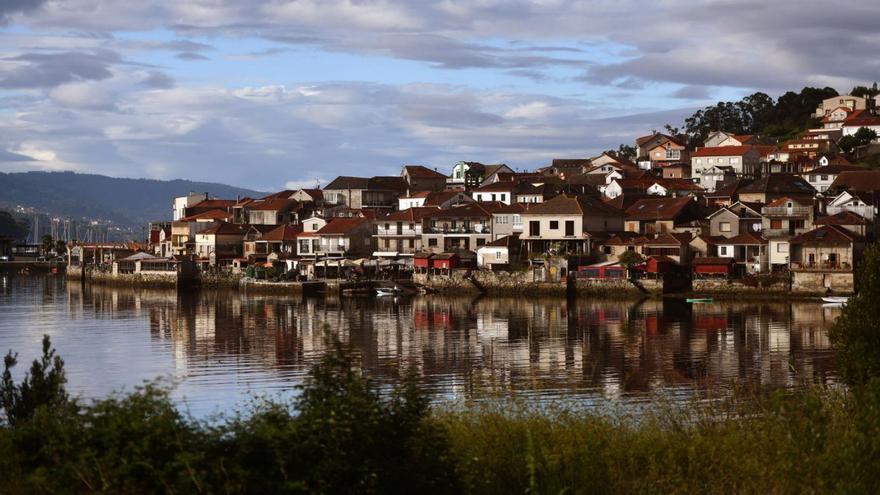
(268, 94)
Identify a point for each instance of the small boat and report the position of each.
(835, 300)
(387, 291)
(699, 300)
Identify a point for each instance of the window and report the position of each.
(432, 241)
(554, 224)
(673, 154)
(315, 226)
(782, 247)
(724, 226)
(722, 250)
(481, 241)
(387, 226)
(699, 160)
(503, 197)
(517, 220)
(824, 177)
(812, 178)
(734, 160)
(493, 197)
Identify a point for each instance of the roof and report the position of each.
(729, 189)
(745, 238)
(422, 172)
(440, 197)
(723, 151)
(826, 233)
(565, 204)
(780, 184)
(284, 232)
(138, 257)
(470, 210)
(276, 204)
(348, 182)
(224, 228)
(834, 169)
(668, 239)
(742, 138)
(505, 186)
(844, 217)
(860, 181)
(408, 215)
(505, 241)
(571, 162)
(662, 137)
(215, 214)
(785, 199)
(657, 209)
(341, 225)
(215, 203)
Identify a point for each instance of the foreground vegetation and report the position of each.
(347, 434)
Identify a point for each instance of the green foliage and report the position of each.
(344, 434)
(629, 259)
(757, 114)
(11, 227)
(865, 92)
(624, 151)
(855, 335)
(43, 386)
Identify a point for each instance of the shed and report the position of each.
(422, 260)
(606, 269)
(660, 264)
(446, 261)
(713, 266)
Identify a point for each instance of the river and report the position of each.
(220, 348)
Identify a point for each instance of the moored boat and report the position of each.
(835, 299)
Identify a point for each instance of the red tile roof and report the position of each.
(744, 239)
(861, 181)
(341, 226)
(826, 234)
(844, 217)
(208, 215)
(422, 172)
(657, 209)
(565, 204)
(223, 228)
(272, 205)
(723, 151)
(409, 215)
(282, 233)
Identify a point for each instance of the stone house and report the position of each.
(649, 216)
(566, 224)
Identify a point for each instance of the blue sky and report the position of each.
(269, 93)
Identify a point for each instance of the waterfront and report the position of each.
(221, 347)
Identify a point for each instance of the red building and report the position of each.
(446, 261)
(713, 266)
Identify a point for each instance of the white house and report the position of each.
(712, 177)
(745, 160)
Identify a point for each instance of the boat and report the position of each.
(699, 299)
(387, 291)
(835, 300)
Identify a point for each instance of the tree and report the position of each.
(865, 92)
(60, 247)
(43, 386)
(629, 259)
(11, 227)
(624, 151)
(47, 243)
(862, 137)
(854, 335)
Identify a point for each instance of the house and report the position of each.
(365, 192)
(783, 219)
(826, 259)
(466, 227)
(610, 158)
(500, 253)
(281, 240)
(251, 249)
(748, 251)
(181, 203)
(314, 196)
(567, 167)
(810, 148)
(440, 199)
(821, 178)
(529, 193)
(271, 211)
(835, 118)
(660, 149)
(775, 186)
(400, 232)
(848, 102)
(342, 237)
(730, 221)
(220, 243)
(506, 219)
(497, 191)
(421, 178)
(677, 171)
(673, 187)
(860, 119)
(649, 216)
(717, 139)
(674, 246)
(715, 176)
(469, 175)
(847, 220)
(745, 160)
(566, 224)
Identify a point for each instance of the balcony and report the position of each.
(784, 211)
(459, 230)
(394, 232)
(785, 232)
(825, 266)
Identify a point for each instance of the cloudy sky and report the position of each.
(263, 93)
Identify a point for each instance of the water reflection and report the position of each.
(223, 345)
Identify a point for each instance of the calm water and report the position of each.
(223, 347)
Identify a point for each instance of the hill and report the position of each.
(125, 202)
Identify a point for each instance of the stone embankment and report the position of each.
(484, 281)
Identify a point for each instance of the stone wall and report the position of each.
(144, 279)
(820, 282)
(493, 282)
(614, 287)
(730, 287)
(262, 286)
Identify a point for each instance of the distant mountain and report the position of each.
(131, 202)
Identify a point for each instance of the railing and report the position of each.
(459, 230)
(784, 232)
(784, 211)
(387, 232)
(821, 267)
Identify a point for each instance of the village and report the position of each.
(736, 213)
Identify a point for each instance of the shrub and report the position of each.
(43, 386)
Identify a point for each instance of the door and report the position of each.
(569, 228)
(534, 228)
